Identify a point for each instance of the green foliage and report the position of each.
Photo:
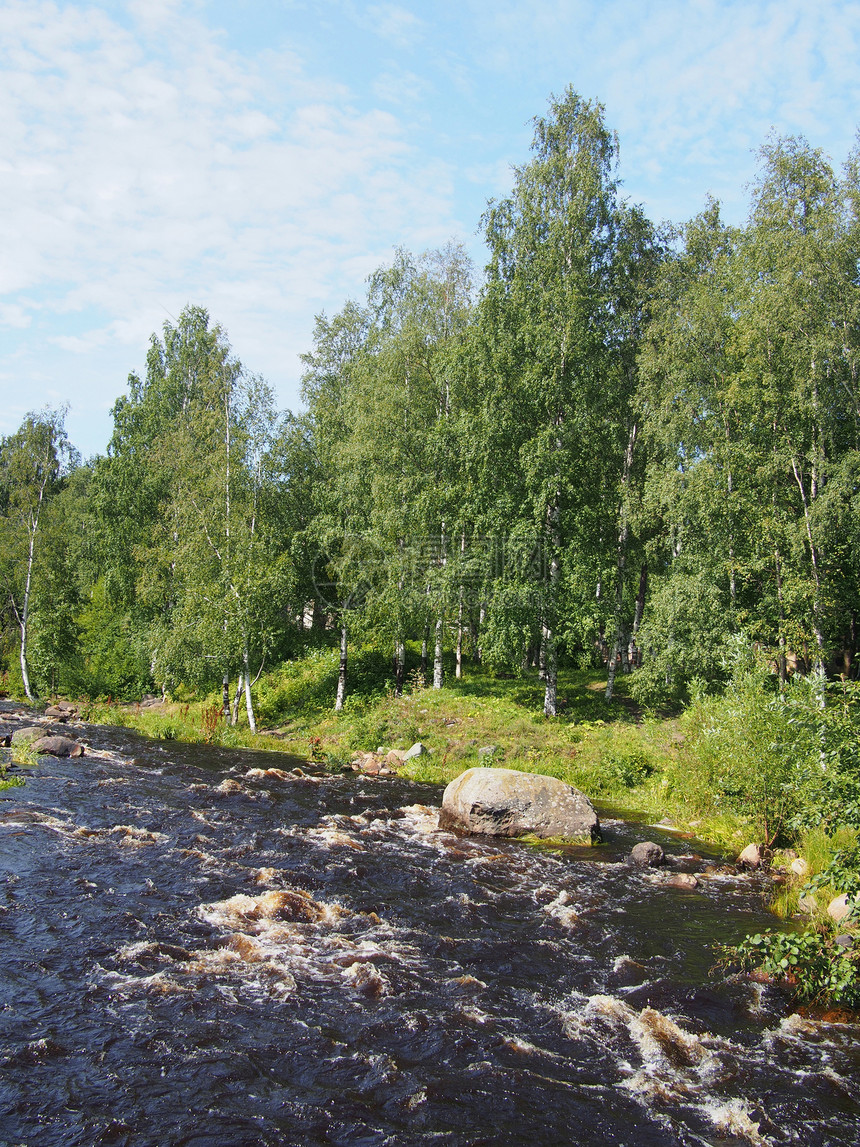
(841, 873)
(753, 756)
(818, 969)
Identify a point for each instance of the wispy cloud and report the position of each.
(148, 166)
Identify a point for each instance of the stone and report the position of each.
(808, 904)
(682, 880)
(392, 760)
(844, 941)
(27, 735)
(840, 907)
(417, 750)
(646, 854)
(59, 746)
(800, 867)
(57, 714)
(487, 751)
(751, 856)
(505, 802)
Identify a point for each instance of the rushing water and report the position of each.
(198, 951)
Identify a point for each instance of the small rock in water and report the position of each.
(646, 853)
(229, 786)
(59, 746)
(751, 856)
(58, 714)
(682, 880)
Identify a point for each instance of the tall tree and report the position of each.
(185, 497)
(555, 328)
(34, 463)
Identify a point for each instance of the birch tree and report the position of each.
(557, 394)
(33, 465)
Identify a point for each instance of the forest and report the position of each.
(622, 448)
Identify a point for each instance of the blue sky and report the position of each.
(261, 158)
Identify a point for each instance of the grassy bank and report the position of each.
(610, 750)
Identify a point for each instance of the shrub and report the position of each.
(818, 968)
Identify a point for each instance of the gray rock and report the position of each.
(488, 750)
(844, 941)
(504, 802)
(417, 750)
(646, 853)
(27, 735)
(59, 746)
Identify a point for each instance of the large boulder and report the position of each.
(504, 802)
(59, 746)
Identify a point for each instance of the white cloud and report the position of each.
(395, 24)
(136, 182)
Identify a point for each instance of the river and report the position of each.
(199, 951)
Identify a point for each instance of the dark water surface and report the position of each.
(197, 952)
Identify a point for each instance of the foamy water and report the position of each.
(202, 947)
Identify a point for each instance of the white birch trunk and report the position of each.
(341, 671)
(248, 702)
(438, 671)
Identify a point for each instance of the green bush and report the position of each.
(755, 758)
(819, 969)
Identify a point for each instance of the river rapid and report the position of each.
(202, 948)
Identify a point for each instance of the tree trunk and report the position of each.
(225, 695)
(234, 714)
(399, 666)
(24, 615)
(341, 672)
(248, 703)
(458, 669)
(424, 639)
(438, 671)
(638, 613)
(550, 698)
(619, 645)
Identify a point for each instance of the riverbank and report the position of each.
(612, 751)
(650, 768)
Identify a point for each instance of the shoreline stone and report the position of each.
(505, 802)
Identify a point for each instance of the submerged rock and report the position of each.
(682, 880)
(646, 853)
(59, 746)
(504, 802)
